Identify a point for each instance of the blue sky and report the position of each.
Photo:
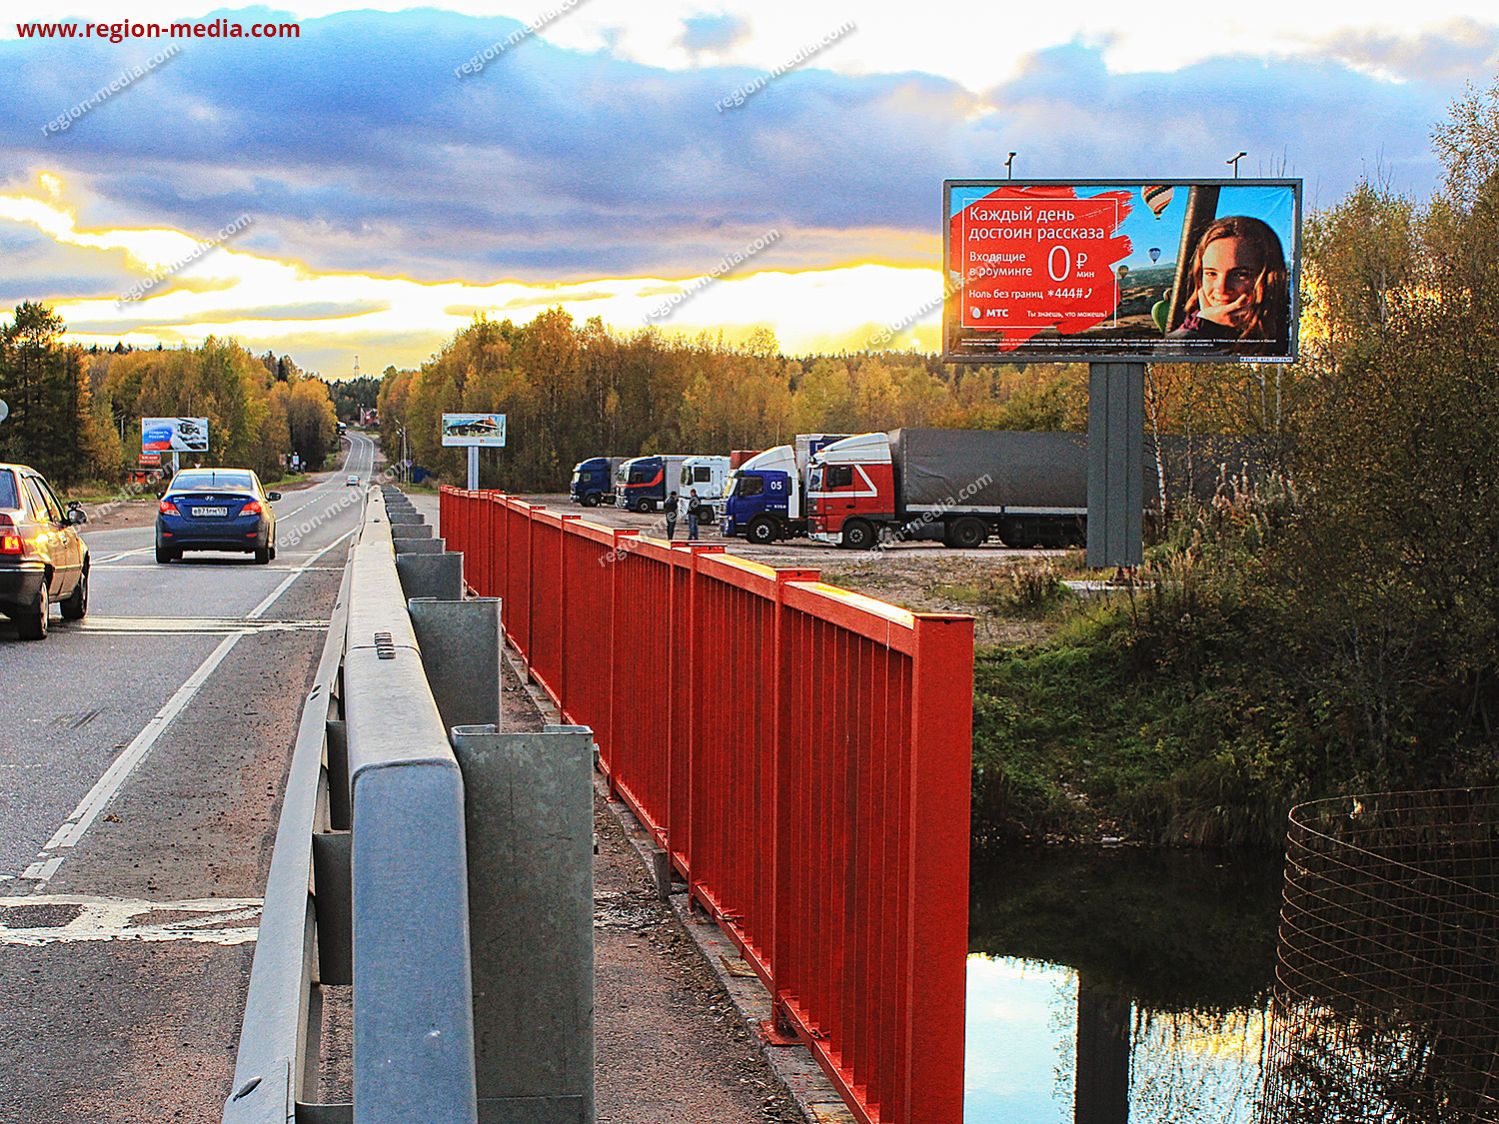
(598, 150)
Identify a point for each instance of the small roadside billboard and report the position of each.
(174, 435)
(484, 431)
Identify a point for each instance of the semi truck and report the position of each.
(641, 483)
(593, 481)
(765, 498)
(956, 486)
(706, 476)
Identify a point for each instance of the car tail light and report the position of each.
(167, 507)
(251, 508)
(10, 538)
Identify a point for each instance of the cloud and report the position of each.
(358, 153)
(712, 34)
(1459, 50)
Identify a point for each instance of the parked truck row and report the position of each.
(960, 487)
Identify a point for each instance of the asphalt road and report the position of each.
(142, 754)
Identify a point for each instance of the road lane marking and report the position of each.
(293, 576)
(271, 569)
(106, 787)
(125, 919)
(168, 626)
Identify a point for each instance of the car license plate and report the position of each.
(208, 511)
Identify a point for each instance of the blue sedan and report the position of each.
(216, 509)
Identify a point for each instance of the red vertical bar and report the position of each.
(784, 742)
(530, 578)
(564, 548)
(694, 724)
(617, 575)
(941, 780)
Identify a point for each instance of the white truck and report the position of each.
(766, 496)
(707, 476)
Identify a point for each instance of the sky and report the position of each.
(366, 188)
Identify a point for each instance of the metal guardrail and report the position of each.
(371, 879)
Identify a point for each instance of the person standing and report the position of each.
(694, 505)
(671, 515)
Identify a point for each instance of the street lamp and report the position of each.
(1010, 167)
(1234, 160)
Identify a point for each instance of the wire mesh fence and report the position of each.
(1387, 996)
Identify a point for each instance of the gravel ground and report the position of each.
(671, 1046)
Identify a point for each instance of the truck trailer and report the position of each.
(956, 486)
(765, 498)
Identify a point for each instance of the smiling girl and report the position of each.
(1239, 287)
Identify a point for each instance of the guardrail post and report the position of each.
(420, 546)
(529, 809)
(460, 643)
(333, 896)
(336, 760)
(431, 575)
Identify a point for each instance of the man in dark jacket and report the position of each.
(671, 515)
(694, 505)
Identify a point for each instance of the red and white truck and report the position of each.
(956, 486)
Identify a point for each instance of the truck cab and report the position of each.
(851, 490)
(592, 482)
(707, 476)
(640, 483)
(766, 497)
(763, 497)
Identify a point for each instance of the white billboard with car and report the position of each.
(174, 435)
(484, 431)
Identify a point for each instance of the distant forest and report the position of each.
(75, 413)
(573, 391)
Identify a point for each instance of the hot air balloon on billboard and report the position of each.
(1123, 269)
(1155, 253)
(1157, 197)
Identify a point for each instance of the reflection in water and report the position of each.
(1121, 986)
(1031, 1060)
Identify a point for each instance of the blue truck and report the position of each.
(642, 483)
(766, 497)
(593, 481)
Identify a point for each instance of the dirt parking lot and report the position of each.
(923, 576)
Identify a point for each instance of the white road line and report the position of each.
(293, 576)
(106, 787)
(120, 919)
(123, 554)
(271, 569)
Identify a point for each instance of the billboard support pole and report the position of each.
(473, 468)
(1116, 464)
(176, 464)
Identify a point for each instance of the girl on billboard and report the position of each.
(1239, 297)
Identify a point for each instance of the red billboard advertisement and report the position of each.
(1185, 270)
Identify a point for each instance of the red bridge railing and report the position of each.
(802, 753)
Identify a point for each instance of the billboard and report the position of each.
(1101, 271)
(174, 435)
(484, 430)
